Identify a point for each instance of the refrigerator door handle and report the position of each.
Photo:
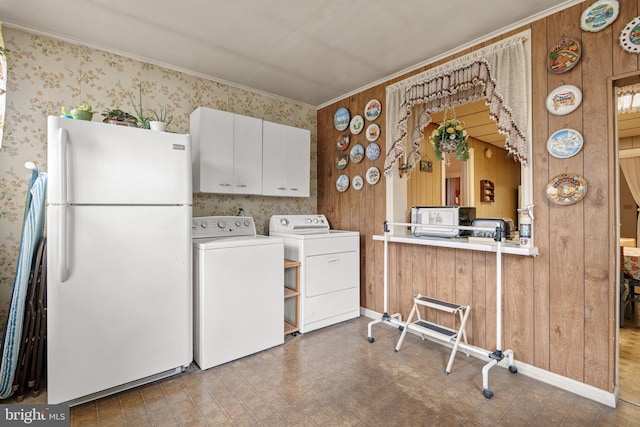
(62, 179)
(63, 271)
(62, 225)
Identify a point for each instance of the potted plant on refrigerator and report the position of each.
(159, 119)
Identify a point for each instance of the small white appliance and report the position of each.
(238, 288)
(119, 263)
(329, 268)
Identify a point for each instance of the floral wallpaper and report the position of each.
(46, 74)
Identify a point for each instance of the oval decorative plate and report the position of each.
(373, 175)
(566, 189)
(343, 141)
(373, 109)
(342, 160)
(630, 36)
(341, 119)
(373, 132)
(357, 124)
(357, 182)
(373, 151)
(599, 15)
(357, 153)
(342, 183)
(564, 99)
(564, 55)
(564, 143)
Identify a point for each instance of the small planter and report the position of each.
(157, 126)
(81, 114)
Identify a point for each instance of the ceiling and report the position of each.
(310, 52)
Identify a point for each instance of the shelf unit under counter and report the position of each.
(292, 292)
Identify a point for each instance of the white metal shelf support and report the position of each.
(495, 356)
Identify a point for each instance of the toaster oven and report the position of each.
(505, 223)
(441, 215)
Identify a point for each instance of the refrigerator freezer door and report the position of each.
(98, 163)
(125, 312)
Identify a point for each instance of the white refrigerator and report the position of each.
(119, 259)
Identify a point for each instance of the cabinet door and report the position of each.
(298, 162)
(274, 159)
(247, 155)
(212, 135)
(286, 163)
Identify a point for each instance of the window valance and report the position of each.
(496, 74)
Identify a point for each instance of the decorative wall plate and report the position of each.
(357, 182)
(563, 55)
(373, 151)
(343, 141)
(357, 124)
(357, 153)
(564, 99)
(341, 119)
(599, 15)
(342, 183)
(566, 189)
(342, 160)
(564, 143)
(373, 175)
(630, 36)
(373, 132)
(373, 109)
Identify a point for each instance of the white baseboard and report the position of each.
(564, 383)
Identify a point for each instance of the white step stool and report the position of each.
(434, 330)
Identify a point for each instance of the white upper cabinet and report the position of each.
(286, 164)
(226, 152)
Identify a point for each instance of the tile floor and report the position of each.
(335, 377)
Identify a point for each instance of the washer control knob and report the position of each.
(203, 224)
(315, 221)
(309, 220)
(194, 225)
(238, 223)
(247, 222)
(221, 224)
(284, 221)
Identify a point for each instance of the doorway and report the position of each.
(627, 141)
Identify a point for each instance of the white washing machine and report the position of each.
(329, 268)
(238, 290)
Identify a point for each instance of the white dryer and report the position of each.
(329, 268)
(238, 290)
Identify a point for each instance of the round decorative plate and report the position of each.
(564, 143)
(373, 132)
(373, 151)
(342, 160)
(373, 175)
(342, 183)
(357, 153)
(341, 119)
(566, 189)
(599, 15)
(357, 124)
(357, 182)
(630, 36)
(563, 55)
(373, 109)
(343, 141)
(564, 99)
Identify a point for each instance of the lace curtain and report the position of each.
(629, 99)
(496, 74)
(631, 169)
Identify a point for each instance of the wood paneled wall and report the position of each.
(559, 307)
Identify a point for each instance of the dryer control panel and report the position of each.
(222, 226)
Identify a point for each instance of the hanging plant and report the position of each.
(448, 138)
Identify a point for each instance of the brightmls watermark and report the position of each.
(34, 415)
